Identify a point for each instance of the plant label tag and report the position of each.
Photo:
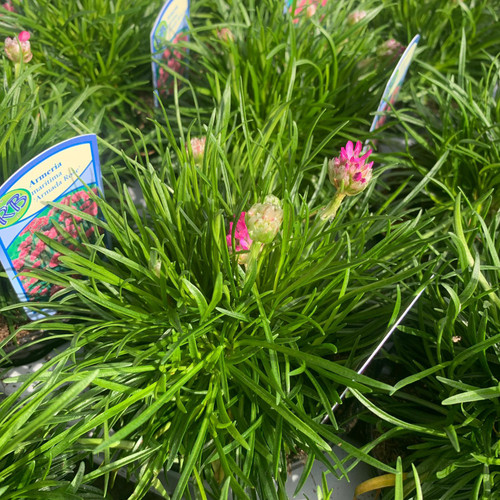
(310, 6)
(394, 84)
(169, 29)
(63, 173)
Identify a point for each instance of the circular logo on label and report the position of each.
(13, 205)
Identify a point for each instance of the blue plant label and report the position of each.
(65, 173)
(170, 28)
(394, 84)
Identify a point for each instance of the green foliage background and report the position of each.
(182, 361)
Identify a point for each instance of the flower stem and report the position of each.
(331, 210)
(255, 248)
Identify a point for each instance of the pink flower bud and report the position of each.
(356, 16)
(264, 219)
(390, 49)
(17, 49)
(311, 10)
(225, 34)
(198, 148)
(349, 173)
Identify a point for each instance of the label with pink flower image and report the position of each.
(309, 6)
(169, 29)
(65, 174)
(394, 84)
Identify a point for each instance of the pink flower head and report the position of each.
(390, 49)
(92, 209)
(52, 233)
(242, 239)
(350, 173)
(8, 6)
(54, 261)
(17, 49)
(18, 263)
(355, 17)
(29, 281)
(310, 7)
(24, 36)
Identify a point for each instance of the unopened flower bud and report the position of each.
(225, 34)
(356, 16)
(390, 49)
(264, 219)
(349, 173)
(311, 10)
(198, 148)
(18, 49)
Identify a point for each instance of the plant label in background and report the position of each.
(394, 84)
(64, 173)
(169, 29)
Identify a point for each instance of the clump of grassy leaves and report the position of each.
(91, 44)
(445, 405)
(452, 32)
(322, 68)
(458, 117)
(35, 115)
(192, 362)
(181, 359)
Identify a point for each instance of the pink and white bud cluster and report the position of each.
(311, 10)
(355, 17)
(225, 34)
(264, 219)
(198, 148)
(390, 48)
(18, 49)
(350, 173)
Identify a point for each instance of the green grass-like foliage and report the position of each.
(98, 44)
(448, 352)
(199, 364)
(34, 116)
(181, 360)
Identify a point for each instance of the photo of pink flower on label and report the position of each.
(307, 7)
(28, 251)
(170, 28)
(172, 58)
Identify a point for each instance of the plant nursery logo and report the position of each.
(13, 206)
